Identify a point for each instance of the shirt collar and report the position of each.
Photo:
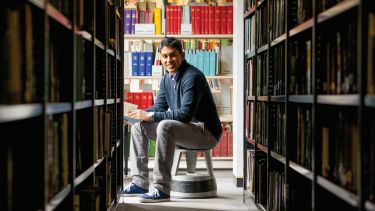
(173, 77)
(181, 70)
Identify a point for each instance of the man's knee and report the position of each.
(136, 128)
(164, 126)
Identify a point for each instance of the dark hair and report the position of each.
(171, 42)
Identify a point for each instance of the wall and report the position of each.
(238, 88)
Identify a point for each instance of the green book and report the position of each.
(151, 148)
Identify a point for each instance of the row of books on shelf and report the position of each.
(88, 198)
(225, 146)
(339, 147)
(256, 179)
(143, 100)
(199, 19)
(190, 18)
(338, 139)
(57, 154)
(141, 64)
(212, 57)
(143, 18)
(276, 66)
(88, 150)
(210, 62)
(21, 44)
(23, 68)
(371, 55)
(302, 153)
(92, 197)
(300, 9)
(338, 60)
(256, 176)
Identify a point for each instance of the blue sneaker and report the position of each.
(133, 190)
(154, 195)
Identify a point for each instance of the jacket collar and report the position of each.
(181, 70)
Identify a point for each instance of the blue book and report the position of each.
(133, 21)
(149, 63)
(194, 58)
(200, 60)
(128, 21)
(135, 64)
(188, 56)
(142, 64)
(212, 59)
(206, 63)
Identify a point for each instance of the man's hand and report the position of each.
(140, 114)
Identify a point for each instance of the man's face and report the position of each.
(171, 59)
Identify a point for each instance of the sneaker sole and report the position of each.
(132, 194)
(142, 200)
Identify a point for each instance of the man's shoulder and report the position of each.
(194, 72)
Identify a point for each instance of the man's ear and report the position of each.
(183, 54)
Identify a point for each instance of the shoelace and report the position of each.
(153, 192)
(127, 188)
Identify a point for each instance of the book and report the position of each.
(127, 108)
(131, 120)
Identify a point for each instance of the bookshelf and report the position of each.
(202, 38)
(61, 104)
(308, 108)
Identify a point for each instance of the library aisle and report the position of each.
(230, 198)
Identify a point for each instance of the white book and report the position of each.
(226, 60)
(127, 108)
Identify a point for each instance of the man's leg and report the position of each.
(140, 135)
(170, 133)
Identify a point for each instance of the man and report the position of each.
(184, 114)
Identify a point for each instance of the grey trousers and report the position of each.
(168, 134)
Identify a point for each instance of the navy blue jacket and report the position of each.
(189, 98)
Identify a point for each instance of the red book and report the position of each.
(224, 144)
(193, 21)
(217, 20)
(171, 29)
(144, 99)
(171, 19)
(130, 97)
(174, 19)
(211, 20)
(230, 144)
(223, 19)
(149, 99)
(179, 14)
(216, 150)
(230, 20)
(206, 19)
(203, 17)
(198, 11)
(168, 17)
(137, 99)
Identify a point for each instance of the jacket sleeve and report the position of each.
(193, 87)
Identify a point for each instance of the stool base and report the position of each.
(197, 186)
